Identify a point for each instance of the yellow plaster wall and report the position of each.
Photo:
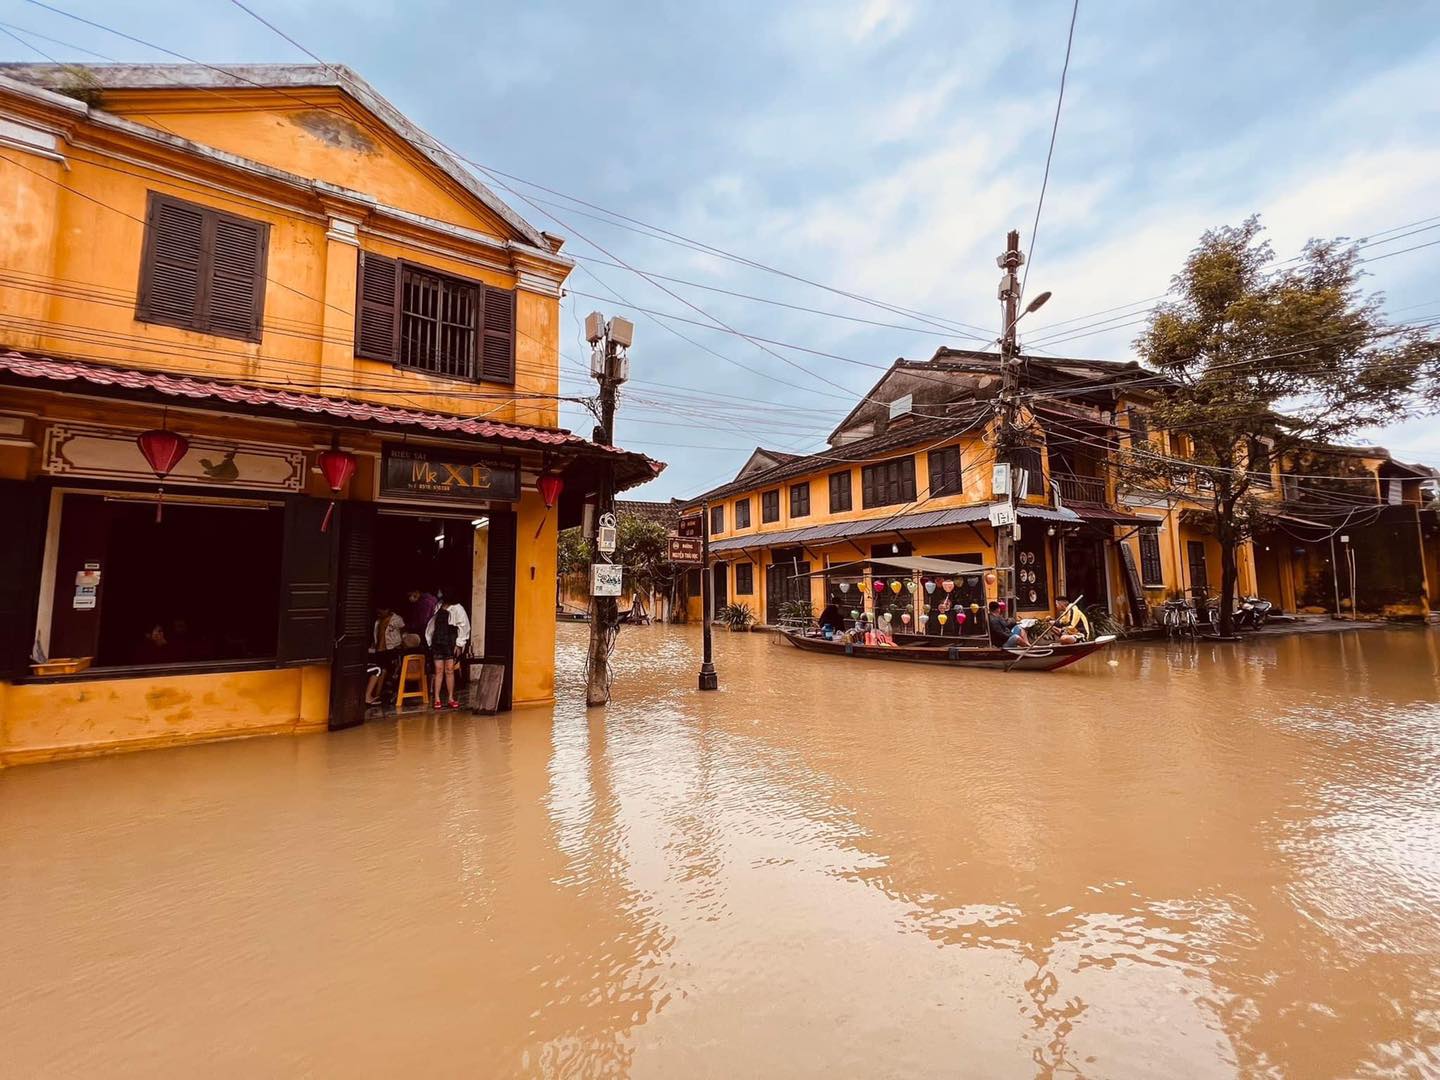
(332, 141)
(534, 679)
(49, 721)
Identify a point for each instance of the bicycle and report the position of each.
(1179, 620)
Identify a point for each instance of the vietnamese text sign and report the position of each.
(691, 526)
(451, 476)
(605, 579)
(685, 549)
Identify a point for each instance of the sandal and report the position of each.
(435, 704)
(452, 704)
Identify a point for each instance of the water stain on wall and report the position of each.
(334, 130)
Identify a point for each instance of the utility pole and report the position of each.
(610, 365)
(1009, 262)
(709, 678)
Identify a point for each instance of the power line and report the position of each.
(1050, 153)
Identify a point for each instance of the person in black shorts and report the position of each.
(447, 634)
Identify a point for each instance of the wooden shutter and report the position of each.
(377, 308)
(307, 596)
(235, 277)
(500, 599)
(23, 507)
(354, 617)
(497, 336)
(170, 274)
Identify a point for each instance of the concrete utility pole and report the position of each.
(1009, 262)
(610, 365)
(709, 678)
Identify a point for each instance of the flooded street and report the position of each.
(1201, 862)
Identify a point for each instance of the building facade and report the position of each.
(911, 470)
(266, 292)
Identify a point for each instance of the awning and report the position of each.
(41, 372)
(916, 564)
(1097, 514)
(885, 526)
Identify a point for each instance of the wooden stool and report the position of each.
(412, 667)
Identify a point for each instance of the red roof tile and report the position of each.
(186, 386)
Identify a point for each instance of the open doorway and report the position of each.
(433, 555)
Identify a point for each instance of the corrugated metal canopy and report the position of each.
(899, 523)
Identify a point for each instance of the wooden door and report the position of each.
(1199, 572)
(307, 586)
(500, 600)
(24, 505)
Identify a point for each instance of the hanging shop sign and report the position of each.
(605, 579)
(424, 474)
(686, 550)
(101, 453)
(692, 525)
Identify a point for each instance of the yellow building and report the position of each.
(322, 303)
(911, 470)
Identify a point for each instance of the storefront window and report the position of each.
(202, 585)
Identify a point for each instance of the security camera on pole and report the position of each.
(610, 365)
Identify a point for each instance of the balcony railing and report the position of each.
(1086, 489)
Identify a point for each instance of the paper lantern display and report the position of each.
(929, 587)
(550, 485)
(948, 585)
(885, 617)
(854, 614)
(943, 618)
(990, 577)
(338, 466)
(905, 618)
(879, 586)
(960, 618)
(910, 587)
(975, 607)
(895, 587)
(923, 620)
(844, 586)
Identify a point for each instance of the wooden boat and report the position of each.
(912, 648)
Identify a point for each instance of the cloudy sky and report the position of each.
(880, 148)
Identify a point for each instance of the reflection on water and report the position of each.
(1206, 861)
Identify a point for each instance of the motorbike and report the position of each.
(1253, 612)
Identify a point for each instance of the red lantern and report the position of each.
(550, 485)
(338, 466)
(163, 451)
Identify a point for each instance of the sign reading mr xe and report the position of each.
(412, 473)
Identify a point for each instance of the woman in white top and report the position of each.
(384, 644)
(447, 633)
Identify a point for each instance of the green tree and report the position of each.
(572, 552)
(1263, 361)
(642, 547)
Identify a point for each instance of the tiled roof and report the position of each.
(27, 368)
(924, 519)
(899, 435)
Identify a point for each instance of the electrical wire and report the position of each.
(1050, 153)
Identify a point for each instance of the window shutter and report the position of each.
(377, 308)
(170, 268)
(497, 336)
(235, 298)
(307, 585)
(24, 506)
(500, 599)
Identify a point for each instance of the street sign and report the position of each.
(692, 526)
(686, 549)
(605, 579)
(1002, 514)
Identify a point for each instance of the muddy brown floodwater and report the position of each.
(1201, 862)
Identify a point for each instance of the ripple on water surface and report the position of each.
(1201, 861)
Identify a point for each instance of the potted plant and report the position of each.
(738, 617)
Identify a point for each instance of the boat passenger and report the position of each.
(1005, 633)
(830, 621)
